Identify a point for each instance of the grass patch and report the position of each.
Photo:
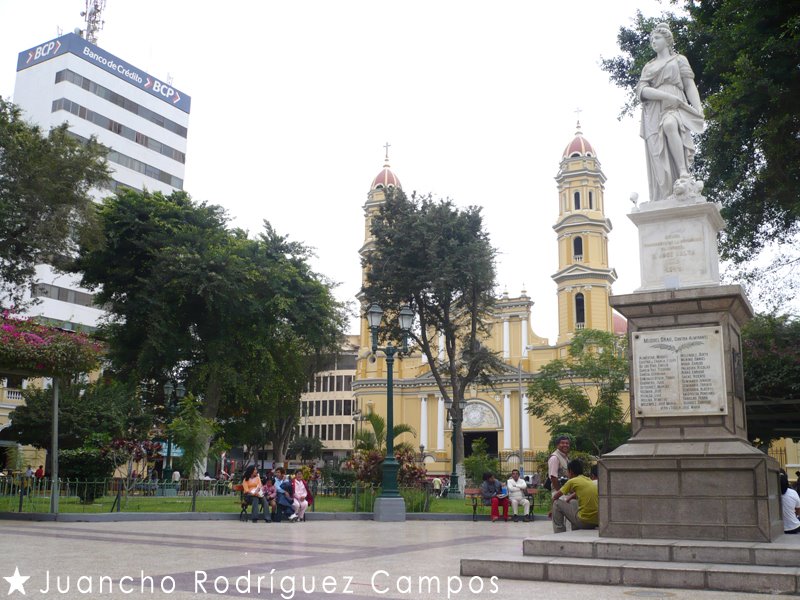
(228, 504)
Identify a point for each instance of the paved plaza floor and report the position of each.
(316, 559)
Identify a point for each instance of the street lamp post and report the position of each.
(456, 417)
(180, 392)
(390, 506)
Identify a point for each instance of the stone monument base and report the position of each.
(688, 471)
(696, 490)
(389, 510)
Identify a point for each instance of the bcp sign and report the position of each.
(46, 50)
(158, 87)
(75, 44)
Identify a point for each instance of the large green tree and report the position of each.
(108, 408)
(580, 394)
(191, 298)
(45, 180)
(745, 56)
(771, 349)
(438, 258)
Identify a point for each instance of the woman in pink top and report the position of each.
(300, 495)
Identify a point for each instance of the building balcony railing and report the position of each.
(579, 326)
(577, 257)
(10, 395)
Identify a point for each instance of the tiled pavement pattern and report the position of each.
(361, 560)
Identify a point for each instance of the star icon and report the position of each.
(15, 582)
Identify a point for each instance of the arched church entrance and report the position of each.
(472, 436)
(481, 420)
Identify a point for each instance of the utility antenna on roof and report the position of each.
(94, 19)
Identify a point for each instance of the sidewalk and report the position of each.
(352, 559)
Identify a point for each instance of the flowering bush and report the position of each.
(411, 474)
(26, 345)
(368, 467)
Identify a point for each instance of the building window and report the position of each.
(348, 383)
(119, 100)
(348, 407)
(347, 431)
(577, 198)
(580, 312)
(324, 408)
(62, 294)
(137, 165)
(338, 432)
(339, 408)
(577, 249)
(591, 201)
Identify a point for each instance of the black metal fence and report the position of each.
(29, 494)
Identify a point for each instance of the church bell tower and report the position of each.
(584, 278)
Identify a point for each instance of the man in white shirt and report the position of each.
(516, 494)
(790, 504)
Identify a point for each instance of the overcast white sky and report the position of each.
(292, 103)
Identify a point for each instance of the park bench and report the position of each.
(473, 498)
(244, 503)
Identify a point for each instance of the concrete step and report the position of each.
(657, 574)
(784, 552)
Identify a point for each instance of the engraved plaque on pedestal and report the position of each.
(679, 372)
(678, 245)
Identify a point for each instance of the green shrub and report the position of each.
(87, 465)
(479, 462)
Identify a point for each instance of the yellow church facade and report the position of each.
(499, 414)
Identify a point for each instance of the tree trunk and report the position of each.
(280, 442)
(210, 409)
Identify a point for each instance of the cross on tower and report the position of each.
(387, 146)
(578, 112)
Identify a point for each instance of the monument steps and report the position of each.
(582, 557)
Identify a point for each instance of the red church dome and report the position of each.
(385, 179)
(579, 146)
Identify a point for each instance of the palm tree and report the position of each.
(376, 439)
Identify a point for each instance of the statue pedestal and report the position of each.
(678, 243)
(688, 471)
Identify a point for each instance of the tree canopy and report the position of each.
(105, 408)
(771, 357)
(580, 394)
(235, 317)
(437, 258)
(745, 56)
(44, 197)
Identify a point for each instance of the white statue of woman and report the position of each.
(671, 111)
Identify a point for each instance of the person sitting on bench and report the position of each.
(494, 495)
(251, 486)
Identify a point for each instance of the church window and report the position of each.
(577, 197)
(580, 312)
(591, 201)
(577, 249)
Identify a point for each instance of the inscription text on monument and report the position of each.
(679, 372)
